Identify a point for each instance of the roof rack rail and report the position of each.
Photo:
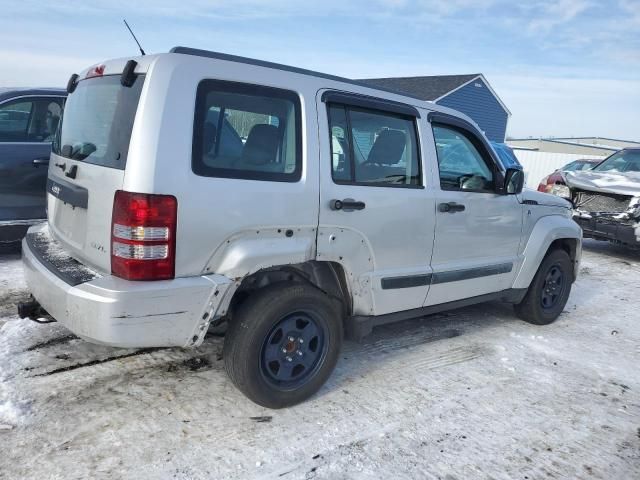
(287, 68)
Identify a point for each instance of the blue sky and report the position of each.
(564, 68)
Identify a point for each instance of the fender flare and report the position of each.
(546, 230)
(249, 251)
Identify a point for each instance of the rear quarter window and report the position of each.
(247, 132)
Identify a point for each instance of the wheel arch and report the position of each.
(549, 233)
(328, 277)
(570, 246)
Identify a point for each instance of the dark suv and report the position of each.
(28, 121)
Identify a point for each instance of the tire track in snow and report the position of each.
(390, 343)
(91, 363)
(51, 342)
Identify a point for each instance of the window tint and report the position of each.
(373, 148)
(460, 163)
(98, 120)
(14, 121)
(246, 131)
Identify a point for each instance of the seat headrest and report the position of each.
(261, 146)
(388, 148)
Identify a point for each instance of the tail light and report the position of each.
(544, 185)
(143, 236)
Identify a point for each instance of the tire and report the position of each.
(546, 298)
(260, 356)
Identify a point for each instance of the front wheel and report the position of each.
(283, 343)
(549, 290)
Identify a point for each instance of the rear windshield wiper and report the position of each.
(80, 152)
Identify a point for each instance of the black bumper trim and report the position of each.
(67, 269)
(602, 229)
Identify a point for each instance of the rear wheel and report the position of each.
(549, 291)
(283, 343)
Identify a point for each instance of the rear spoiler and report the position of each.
(126, 78)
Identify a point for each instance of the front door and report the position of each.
(477, 230)
(27, 126)
(376, 217)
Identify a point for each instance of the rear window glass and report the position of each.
(247, 131)
(97, 121)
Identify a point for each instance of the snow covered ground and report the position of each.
(469, 394)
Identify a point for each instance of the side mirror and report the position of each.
(513, 181)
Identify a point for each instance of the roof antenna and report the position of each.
(134, 37)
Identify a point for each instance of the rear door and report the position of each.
(87, 165)
(27, 126)
(376, 216)
(478, 230)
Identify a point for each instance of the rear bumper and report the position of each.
(610, 228)
(112, 311)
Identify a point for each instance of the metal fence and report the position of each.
(538, 165)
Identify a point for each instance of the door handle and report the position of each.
(451, 207)
(346, 205)
(40, 161)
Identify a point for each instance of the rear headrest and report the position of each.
(388, 148)
(261, 146)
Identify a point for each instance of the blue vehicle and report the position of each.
(506, 155)
(28, 121)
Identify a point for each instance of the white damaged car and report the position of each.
(606, 199)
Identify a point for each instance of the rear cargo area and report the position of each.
(88, 164)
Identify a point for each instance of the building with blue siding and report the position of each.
(470, 94)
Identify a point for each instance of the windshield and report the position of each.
(97, 121)
(578, 165)
(622, 161)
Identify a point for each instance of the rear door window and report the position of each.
(98, 120)
(247, 131)
(14, 120)
(32, 119)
